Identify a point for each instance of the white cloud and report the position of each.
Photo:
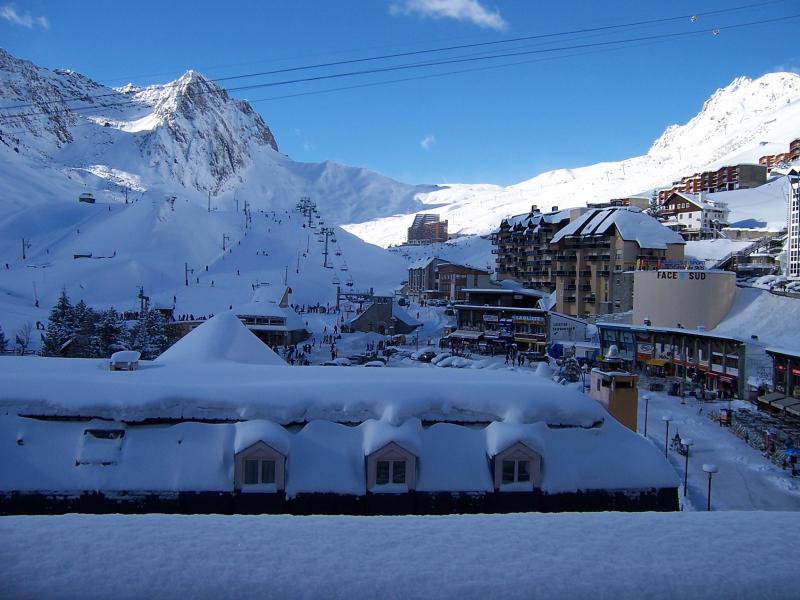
(471, 11)
(10, 14)
(428, 142)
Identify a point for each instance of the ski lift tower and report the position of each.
(327, 232)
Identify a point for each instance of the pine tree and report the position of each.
(109, 334)
(3, 341)
(148, 335)
(653, 206)
(60, 326)
(85, 321)
(571, 369)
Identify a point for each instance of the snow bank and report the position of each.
(572, 555)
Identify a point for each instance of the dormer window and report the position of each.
(259, 468)
(259, 471)
(391, 469)
(518, 468)
(515, 471)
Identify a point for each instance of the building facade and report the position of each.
(725, 178)
(772, 160)
(438, 279)
(793, 227)
(694, 216)
(523, 246)
(602, 243)
(498, 319)
(427, 229)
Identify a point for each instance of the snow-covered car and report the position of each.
(337, 362)
(440, 357)
(426, 356)
(357, 359)
(375, 363)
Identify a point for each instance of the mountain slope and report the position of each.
(739, 123)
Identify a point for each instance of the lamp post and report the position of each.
(646, 407)
(666, 419)
(710, 469)
(687, 442)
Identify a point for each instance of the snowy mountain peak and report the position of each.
(739, 109)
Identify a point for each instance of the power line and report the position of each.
(449, 61)
(605, 28)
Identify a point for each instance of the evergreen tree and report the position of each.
(109, 334)
(571, 369)
(3, 341)
(60, 326)
(653, 206)
(85, 321)
(148, 335)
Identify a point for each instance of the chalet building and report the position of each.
(385, 316)
(523, 246)
(694, 216)
(711, 363)
(642, 202)
(724, 179)
(590, 251)
(499, 318)
(427, 229)
(773, 160)
(438, 279)
(219, 424)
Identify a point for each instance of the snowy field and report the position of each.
(602, 555)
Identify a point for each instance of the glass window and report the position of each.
(251, 472)
(382, 472)
(508, 471)
(267, 471)
(399, 471)
(523, 470)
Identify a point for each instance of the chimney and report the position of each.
(554, 209)
(534, 208)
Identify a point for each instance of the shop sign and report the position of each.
(506, 328)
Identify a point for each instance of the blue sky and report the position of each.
(498, 125)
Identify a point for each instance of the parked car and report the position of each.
(375, 363)
(426, 356)
(357, 359)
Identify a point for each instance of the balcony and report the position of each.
(604, 273)
(586, 287)
(586, 273)
(570, 287)
(571, 273)
(569, 299)
(590, 300)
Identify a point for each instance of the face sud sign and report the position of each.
(681, 275)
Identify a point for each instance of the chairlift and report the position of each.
(344, 266)
(349, 281)
(333, 239)
(338, 253)
(335, 280)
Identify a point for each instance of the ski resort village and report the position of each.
(230, 367)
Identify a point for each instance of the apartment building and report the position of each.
(427, 229)
(523, 246)
(793, 227)
(725, 178)
(603, 242)
(772, 160)
(434, 278)
(694, 216)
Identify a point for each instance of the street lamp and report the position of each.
(687, 443)
(666, 419)
(710, 469)
(646, 407)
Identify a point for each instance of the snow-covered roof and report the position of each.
(322, 456)
(424, 262)
(222, 388)
(221, 339)
(631, 223)
(401, 314)
(506, 291)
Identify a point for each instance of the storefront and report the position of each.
(785, 371)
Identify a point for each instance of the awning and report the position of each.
(466, 334)
(785, 403)
(657, 362)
